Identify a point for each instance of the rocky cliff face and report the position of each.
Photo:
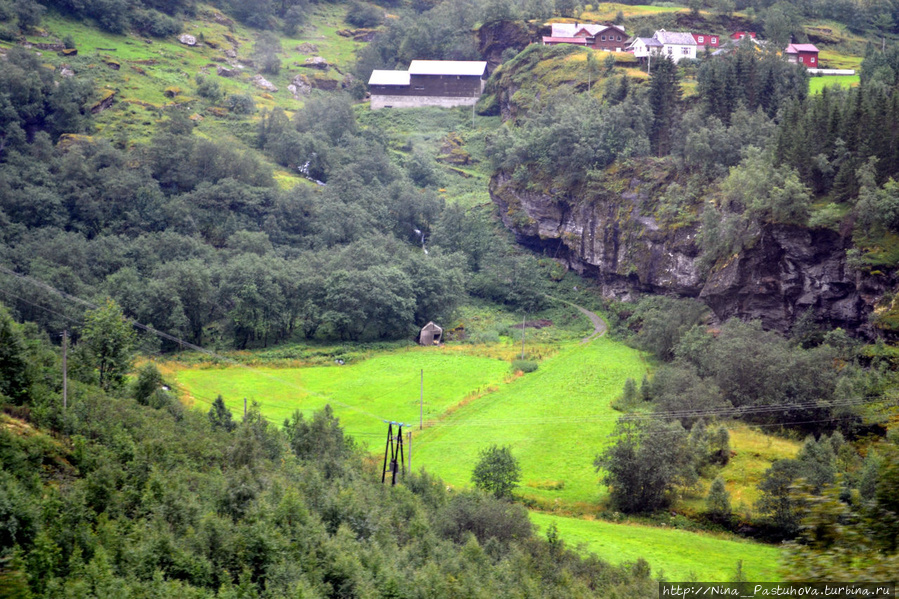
(786, 270)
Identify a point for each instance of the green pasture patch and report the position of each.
(816, 84)
(140, 70)
(555, 420)
(679, 555)
(830, 59)
(606, 11)
(387, 386)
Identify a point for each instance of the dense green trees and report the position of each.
(108, 340)
(569, 136)
(185, 232)
(647, 460)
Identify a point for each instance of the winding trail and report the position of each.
(599, 325)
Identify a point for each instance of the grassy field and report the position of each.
(554, 419)
(386, 386)
(606, 11)
(816, 84)
(679, 555)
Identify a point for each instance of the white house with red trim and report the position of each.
(675, 45)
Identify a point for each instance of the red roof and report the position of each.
(797, 48)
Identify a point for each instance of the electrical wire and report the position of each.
(183, 343)
(434, 425)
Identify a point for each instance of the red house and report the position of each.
(806, 54)
(704, 40)
(738, 35)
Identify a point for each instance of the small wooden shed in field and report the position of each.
(430, 334)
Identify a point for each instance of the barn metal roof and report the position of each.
(796, 48)
(675, 37)
(448, 67)
(389, 78)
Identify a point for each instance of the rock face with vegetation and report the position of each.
(716, 196)
(788, 269)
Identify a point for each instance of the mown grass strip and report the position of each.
(679, 555)
(385, 386)
(555, 419)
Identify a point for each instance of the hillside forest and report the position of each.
(224, 219)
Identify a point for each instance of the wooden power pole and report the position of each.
(65, 370)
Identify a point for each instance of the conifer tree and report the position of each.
(664, 100)
(718, 502)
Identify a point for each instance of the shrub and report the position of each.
(524, 365)
(361, 14)
(484, 517)
(241, 104)
(496, 472)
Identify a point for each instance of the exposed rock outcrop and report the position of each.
(785, 271)
(496, 37)
(263, 83)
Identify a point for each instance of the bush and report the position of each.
(524, 365)
(209, 88)
(496, 472)
(484, 517)
(241, 104)
(361, 14)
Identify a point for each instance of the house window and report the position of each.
(714, 40)
(685, 51)
(701, 39)
(603, 38)
(619, 38)
(812, 59)
(670, 50)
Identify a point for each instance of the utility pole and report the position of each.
(523, 321)
(244, 408)
(65, 370)
(409, 437)
(421, 401)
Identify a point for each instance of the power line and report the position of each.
(182, 342)
(723, 411)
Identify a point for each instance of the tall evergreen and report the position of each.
(664, 100)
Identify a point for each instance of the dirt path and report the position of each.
(599, 325)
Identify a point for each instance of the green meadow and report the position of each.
(679, 555)
(554, 419)
(816, 84)
(384, 387)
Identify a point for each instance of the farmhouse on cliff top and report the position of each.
(445, 83)
(611, 38)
